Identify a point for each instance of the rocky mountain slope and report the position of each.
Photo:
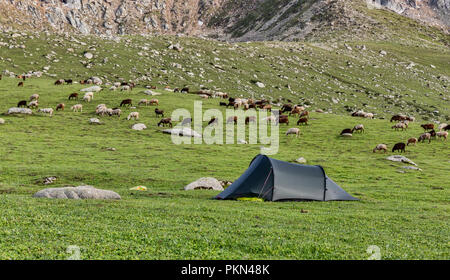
(235, 20)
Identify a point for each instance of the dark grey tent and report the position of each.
(276, 180)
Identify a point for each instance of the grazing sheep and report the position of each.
(398, 118)
(133, 115)
(304, 114)
(77, 107)
(34, 97)
(399, 147)
(232, 119)
(347, 131)
(22, 103)
(125, 88)
(102, 110)
(399, 125)
(294, 130)
(250, 119)
(143, 101)
(166, 121)
(441, 126)
(159, 112)
(359, 128)
(432, 133)
(90, 93)
(411, 119)
(154, 102)
(185, 90)
(223, 104)
(443, 134)
(283, 119)
(20, 84)
(87, 98)
(412, 140)
(128, 102)
(446, 128)
(286, 108)
(33, 104)
(59, 82)
(115, 112)
(269, 119)
(368, 116)
(73, 96)
(60, 106)
(425, 136)
(48, 111)
(427, 126)
(302, 121)
(380, 147)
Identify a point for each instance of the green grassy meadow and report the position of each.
(405, 214)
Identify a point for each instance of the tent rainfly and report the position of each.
(276, 180)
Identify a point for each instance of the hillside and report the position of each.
(383, 77)
(236, 20)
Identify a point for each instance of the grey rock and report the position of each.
(92, 89)
(16, 110)
(301, 160)
(403, 159)
(186, 131)
(139, 126)
(205, 183)
(80, 192)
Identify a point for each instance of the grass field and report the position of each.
(405, 214)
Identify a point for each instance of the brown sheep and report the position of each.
(20, 84)
(166, 121)
(412, 141)
(159, 112)
(302, 121)
(73, 96)
(60, 106)
(427, 126)
(128, 102)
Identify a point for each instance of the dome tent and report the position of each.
(276, 180)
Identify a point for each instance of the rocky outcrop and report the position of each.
(245, 20)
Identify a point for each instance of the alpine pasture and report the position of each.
(404, 212)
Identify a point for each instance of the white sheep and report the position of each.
(143, 101)
(441, 126)
(33, 104)
(368, 115)
(359, 128)
(115, 112)
(294, 130)
(443, 134)
(133, 115)
(48, 111)
(380, 147)
(90, 93)
(87, 98)
(34, 97)
(77, 107)
(399, 125)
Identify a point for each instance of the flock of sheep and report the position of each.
(25, 106)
